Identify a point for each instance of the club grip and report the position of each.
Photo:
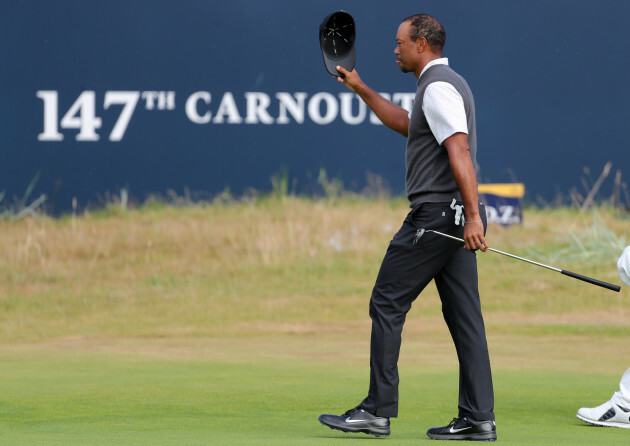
(610, 286)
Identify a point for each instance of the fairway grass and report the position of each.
(271, 389)
(241, 323)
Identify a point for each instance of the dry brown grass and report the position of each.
(276, 267)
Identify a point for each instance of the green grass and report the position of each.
(62, 396)
(240, 323)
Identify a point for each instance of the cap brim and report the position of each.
(346, 62)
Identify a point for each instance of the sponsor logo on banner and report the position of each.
(204, 108)
(503, 201)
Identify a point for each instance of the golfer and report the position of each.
(441, 185)
(614, 412)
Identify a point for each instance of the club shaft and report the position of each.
(610, 286)
(526, 260)
(500, 252)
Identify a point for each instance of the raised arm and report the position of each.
(390, 114)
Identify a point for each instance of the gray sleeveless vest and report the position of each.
(429, 176)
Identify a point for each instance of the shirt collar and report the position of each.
(440, 61)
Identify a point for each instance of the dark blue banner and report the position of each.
(206, 97)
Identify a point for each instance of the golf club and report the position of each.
(610, 286)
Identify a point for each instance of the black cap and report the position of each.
(336, 39)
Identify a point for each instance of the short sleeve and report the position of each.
(443, 107)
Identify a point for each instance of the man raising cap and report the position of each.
(441, 185)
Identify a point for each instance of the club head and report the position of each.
(419, 233)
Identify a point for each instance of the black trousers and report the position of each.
(406, 270)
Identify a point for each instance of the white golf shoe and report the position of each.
(608, 414)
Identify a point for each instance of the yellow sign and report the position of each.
(512, 190)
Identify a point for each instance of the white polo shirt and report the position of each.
(443, 107)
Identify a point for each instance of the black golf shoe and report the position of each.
(357, 420)
(464, 428)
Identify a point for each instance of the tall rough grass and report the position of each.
(279, 263)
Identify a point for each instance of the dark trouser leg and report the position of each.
(405, 271)
(458, 288)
